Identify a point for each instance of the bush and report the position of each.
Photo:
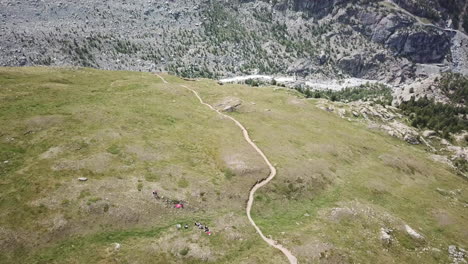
(252, 82)
(461, 164)
(228, 173)
(184, 251)
(114, 149)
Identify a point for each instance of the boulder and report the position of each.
(428, 133)
(413, 233)
(117, 246)
(231, 108)
(385, 236)
(412, 139)
(229, 104)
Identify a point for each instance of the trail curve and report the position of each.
(292, 259)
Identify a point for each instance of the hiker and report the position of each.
(179, 206)
(208, 233)
(155, 194)
(207, 229)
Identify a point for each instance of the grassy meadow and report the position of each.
(338, 182)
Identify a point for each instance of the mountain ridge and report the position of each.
(343, 38)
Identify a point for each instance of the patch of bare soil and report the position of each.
(51, 153)
(10, 239)
(106, 134)
(43, 122)
(312, 250)
(240, 164)
(97, 163)
(230, 225)
(296, 101)
(406, 165)
(443, 218)
(143, 153)
(356, 210)
(195, 246)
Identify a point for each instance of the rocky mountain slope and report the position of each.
(371, 39)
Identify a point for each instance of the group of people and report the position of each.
(178, 205)
(203, 227)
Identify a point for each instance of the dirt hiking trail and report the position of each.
(292, 259)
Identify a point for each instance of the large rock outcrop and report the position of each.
(316, 8)
(424, 44)
(401, 33)
(380, 27)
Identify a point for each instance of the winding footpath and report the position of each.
(292, 259)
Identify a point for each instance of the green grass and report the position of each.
(129, 133)
(324, 163)
(116, 129)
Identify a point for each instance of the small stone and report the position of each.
(117, 246)
(452, 249)
(411, 139)
(429, 133)
(413, 233)
(385, 235)
(6, 161)
(82, 179)
(445, 142)
(306, 214)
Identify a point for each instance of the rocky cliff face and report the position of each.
(444, 13)
(402, 34)
(309, 38)
(421, 45)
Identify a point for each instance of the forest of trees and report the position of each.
(455, 87)
(377, 93)
(427, 114)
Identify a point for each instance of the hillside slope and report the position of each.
(360, 38)
(343, 193)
